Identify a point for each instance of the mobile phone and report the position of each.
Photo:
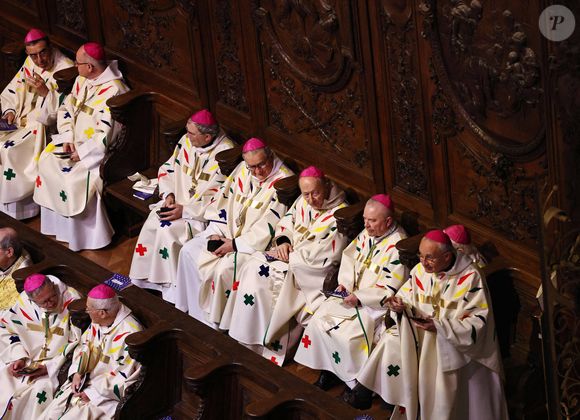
(419, 320)
(27, 370)
(269, 258)
(214, 244)
(163, 210)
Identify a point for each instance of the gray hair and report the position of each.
(445, 247)
(10, 240)
(213, 130)
(110, 305)
(47, 282)
(266, 150)
(387, 211)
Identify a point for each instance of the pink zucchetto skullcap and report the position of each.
(438, 236)
(34, 35)
(102, 291)
(94, 50)
(312, 171)
(385, 200)
(33, 282)
(253, 144)
(458, 234)
(203, 117)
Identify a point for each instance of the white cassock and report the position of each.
(70, 192)
(20, 149)
(27, 331)
(8, 292)
(244, 209)
(104, 357)
(317, 247)
(339, 338)
(453, 373)
(192, 174)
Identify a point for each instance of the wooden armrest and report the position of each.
(78, 314)
(349, 220)
(65, 79)
(264, 408)
(122, 105)
(14, 51)
(20, 275)
(195, 376)
(287, 190)
(229, 159)
(141, 342)
(172, 132)
(408, 249)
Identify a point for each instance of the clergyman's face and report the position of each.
(47, 298)
(432, 258)
(376, 220)
(41, 54)
(259, 164)
(196, 138)
(313, 190)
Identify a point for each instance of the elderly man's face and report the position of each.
(6, 257)
(83, 67)
(41, 54)
(259, 164)
(313, 190)
(196, 138)
(432, 258)
(47, 298)
(376, 220)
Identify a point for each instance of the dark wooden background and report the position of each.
(459, 109)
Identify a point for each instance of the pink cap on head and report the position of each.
(253, 144)
(385, 200)
(94, 50)
(438, 236)
(312, 171)
(33, 282)
(458, 234)
(102, 291)
(203, 117)
(34, 35)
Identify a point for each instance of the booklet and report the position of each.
(118, 282)
(4, 126)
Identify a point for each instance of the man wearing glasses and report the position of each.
(35, 334)
(68, 186)
(29, 104)
(242, 219)
(442, 358)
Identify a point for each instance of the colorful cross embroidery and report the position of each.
(89, 132)
(9, 174)
(393, 370)
(165, 223)
(264, 271)
(63, 195)
(8, 144)
(336, 357)
(41, 397)
(228, 292)
(38, 181)
(141, 250)
(164, 253)
(276, 345)
(235, 285)
(306, 341)
(273, 359)
(66, 169)
(248, 300)
(14, 339)
(222, 214)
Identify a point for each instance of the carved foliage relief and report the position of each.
(229, 74)
(156, 33)
(407, 134)
(71, 15)
(313, 93)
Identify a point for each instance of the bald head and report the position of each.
(377, 218)
(88, 66)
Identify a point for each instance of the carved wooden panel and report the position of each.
(70, 15)
(314, 87)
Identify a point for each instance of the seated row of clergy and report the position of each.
(62, 177)
(36, 335)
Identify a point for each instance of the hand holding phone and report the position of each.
(214, 244)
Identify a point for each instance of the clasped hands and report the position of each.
(176, 211)
(281, 252)
(225, 248)
(70, 148)
(20, 364)
(350, 300)
(396, 304)
(76, 383)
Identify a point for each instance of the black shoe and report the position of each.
(327, 380)
(358, 397)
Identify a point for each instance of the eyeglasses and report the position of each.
(430, 258)
(94, 310)
(44, 53)
(260, 165)
(79, 64)
(46, 301)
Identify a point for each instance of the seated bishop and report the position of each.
(68, 186)
(306, 247)
(101, 368)
(35, 335)
(29, 102)
(342, 331)
(187, 182)
(242, 217)
(461, 241)
(442, 359)
(13, 257)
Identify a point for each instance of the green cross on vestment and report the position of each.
(9, 174)
(41, 397)
(228, 293)
(248, 300)
(336, 357)
(393, 370)
(276, 345)
(164, 253)
(63, 195)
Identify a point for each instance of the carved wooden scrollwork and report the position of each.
(490, 72)
(71, 15)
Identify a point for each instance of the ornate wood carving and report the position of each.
(486, 62)
(71, 15)
(407, 133)
(443, 117)
(229, 74)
